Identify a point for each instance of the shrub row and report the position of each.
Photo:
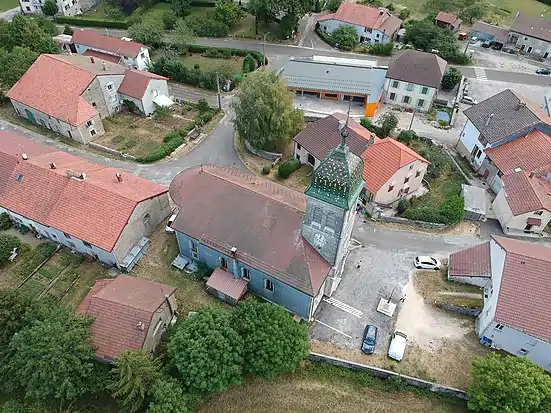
(196, 48)
(89, 22)
(287, 168)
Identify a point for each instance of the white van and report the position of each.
(397, 345)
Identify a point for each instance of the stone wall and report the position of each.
(404, 221)
(271, 156)
(111, 151)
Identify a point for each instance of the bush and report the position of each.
(89, 22)
(169, 20)
(195, 48)
(390, 7)
(345, 36)
(205, 27)
(68, 30)
(404, 14)
(287, 168)
(202, 106)
(131, 107)
(7, 243)
(163, 151)
(382, 49)
(453, 210)
(388, 122)
(162, 112)
(249, 65)
(333, 5)
(266, 170)
(5, 221)
(366, 123)
(425, 214)
(325, 37)
(403, 205)
(407, 136)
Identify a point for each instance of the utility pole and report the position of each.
(467, 45)
(218, 87)
(412, 117)
(264, 49)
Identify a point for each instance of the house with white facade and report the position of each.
(413, 79)
(126, 52)
(65, 7)
(373, 25)
(93, 209)
(515, 317)
(531, 35)
(97, 89)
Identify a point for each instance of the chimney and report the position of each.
(520, 105)
(531, 174)
(140, 326)
(371, 140)
(235, 271)
(119, 177)
(52, 165)
(92, 59)
(24, 156)
(103, 65)
(490, 116)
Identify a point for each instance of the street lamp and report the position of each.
(264, 49)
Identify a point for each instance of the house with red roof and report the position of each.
(391, 170)
(129, 313)
(515, 317)
(112, 49)
(373, 25)
(70, 94)
(448, 21)
(96, 210)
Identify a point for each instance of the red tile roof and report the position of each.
(135, 83)
(321, 136)
(32, 189)
(365, 16)
(119, 307)
(526, 194)
(523, 301)
(471, 262)
(108, 43)
(102, 56)
(531, 153)
(383, 159)
(445, 17)
(54, 84)
(223, 207)
(224, 281)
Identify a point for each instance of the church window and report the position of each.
(330, 222)
(317, 216)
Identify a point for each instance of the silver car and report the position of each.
(427, 263)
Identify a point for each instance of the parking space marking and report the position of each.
(480, 73)
(343, 307)
(332, 328)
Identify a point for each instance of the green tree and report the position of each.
(7, 243)
(50, 8)
(508, 384)
(422, 34)
(68, 30)
(207, 352)
(52, 359)
(46, 24)
(181, 7)
(475, 11)
(149, 32)
(14, 64)
(264, 111)
(388, 123)
(273, 342)
(169, 20)
(135, 373)
(434, 6)
(333, 5)
(249, 64)
(5, 220)
(264, 10)
(182, 35)
(16, 311)
(228, 12)
(345, 36)
(167, 396)
(451, 78)
(26, 32)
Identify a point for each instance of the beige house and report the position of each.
(523, 205)
(129, 314)
(392, 171)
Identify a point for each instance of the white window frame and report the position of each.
(410, 87)
(392, 96)
(267, 284)
(92, 132)
(246, 274)
(420, 103)
(499, 327)
(194, 249)
(395, 84)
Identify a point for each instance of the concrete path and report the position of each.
(9, 14)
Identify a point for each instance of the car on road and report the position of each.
(397, 346)
(544, 71)
(168, 228)
(468, 100)
(473, 40)
(369, 339)
(427, 263)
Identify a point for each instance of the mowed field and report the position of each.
(8, 4)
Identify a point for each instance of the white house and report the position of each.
(147, 90)
(516, 312)
(531, 35)
(95, 210)
(126, 52)
(413, 79)
(65, 7)
(373, 25)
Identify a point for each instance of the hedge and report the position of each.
(88, 22)
(287, 168)
(196, 48)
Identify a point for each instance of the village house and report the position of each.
(97, 89)
(448, 21)
(112, 49)
(95, 210)
(531, 35)
(515, 317)
(490, 33)
(413, 79)
(373, 25)
(282, 245)
(391, 170)
(338, 79)
(65, 7)
(129, 314)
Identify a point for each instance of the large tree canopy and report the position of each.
(167, 396)
(264, 111)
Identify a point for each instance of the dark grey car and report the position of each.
(369, 339)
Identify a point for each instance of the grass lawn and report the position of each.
(246, 27)
(212, 63)
(8, 4)
(105, 11)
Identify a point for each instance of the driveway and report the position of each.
(386, 256)
(9, 14)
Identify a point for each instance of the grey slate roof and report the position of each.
(533, 26)
(499, 33)
(475, 199)
(308, 74)
(511, 114)
(421, 68)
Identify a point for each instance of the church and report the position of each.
(260, 237)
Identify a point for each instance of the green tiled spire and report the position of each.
(338, 179)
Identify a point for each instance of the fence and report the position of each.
(385, 374)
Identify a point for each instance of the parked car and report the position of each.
(168, 228)
(497, 46)
(427, 263)
(486, 45)
(463, 36)
(544, 71)
(473, 40)
(369, 339)
(397, 346)
(468, 100)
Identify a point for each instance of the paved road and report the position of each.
(9, 14)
